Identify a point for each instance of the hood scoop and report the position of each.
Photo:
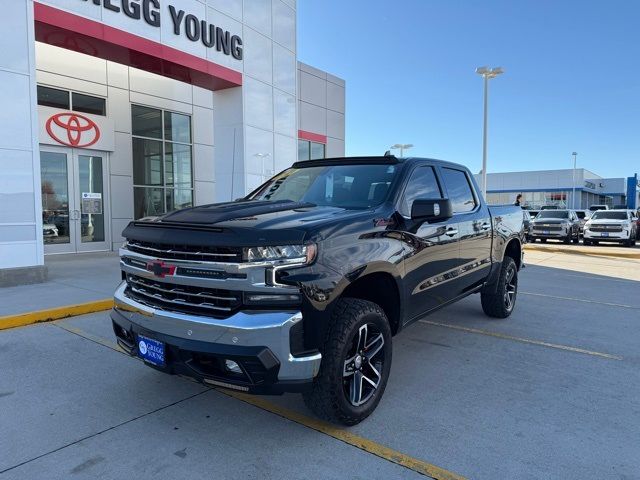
(221, 212)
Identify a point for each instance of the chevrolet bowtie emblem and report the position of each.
(161, 269)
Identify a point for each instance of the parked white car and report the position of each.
(611, 226)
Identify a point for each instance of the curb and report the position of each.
(592, 251)
(29, 318)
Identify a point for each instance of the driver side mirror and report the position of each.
(431, 209)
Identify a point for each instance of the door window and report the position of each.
(422, 184)
(459, 190)
(55, 197)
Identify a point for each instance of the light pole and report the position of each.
(402, 147)
(573, 181)
(486, 73)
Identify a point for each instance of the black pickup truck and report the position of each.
(300, 286)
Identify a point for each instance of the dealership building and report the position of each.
(118, 109)
(556, 187)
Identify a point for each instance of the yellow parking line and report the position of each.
(583, 300)
(352, 439)
(524, 340)
(28, 318)
(346, 436)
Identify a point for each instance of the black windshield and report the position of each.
(345, 186)
(553, 214)
(606, 215)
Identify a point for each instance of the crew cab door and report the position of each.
(431, 247)
(473, 221)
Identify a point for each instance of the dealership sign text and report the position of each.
(183, 23)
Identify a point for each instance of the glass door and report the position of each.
(75, 206)
(58, 227)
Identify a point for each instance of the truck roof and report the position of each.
(386, 159)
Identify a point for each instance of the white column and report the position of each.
(20, 204)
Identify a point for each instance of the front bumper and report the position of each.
(610, 236)
(197, 346)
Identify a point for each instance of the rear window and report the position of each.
(607, 215)
(581, 215)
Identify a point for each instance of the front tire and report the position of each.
(356, 361)
(501, 303)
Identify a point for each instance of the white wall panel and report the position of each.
(258, 151)
(202, 122)
(257, 15)
(70, 83)
(313, 89)
(235, 28)
(335, 97)
(15, 98)
(117, 226)
(16, 187)
(15, 46)
(335, 124)
(118, 75)
(284, 112)
(158, 86)
(258, 98)
(202, 97)
(121, 159)
(285, 152)
(258, 58)
(181, 42)
(285, 18)
(335, 148)
(119, 109)
(205, 193)
(122, 194)
(204, 163)
(233, 8)
(58, 60)
(20, 254)
(313, 118)
(284, 69)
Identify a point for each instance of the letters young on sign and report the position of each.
(184, 23)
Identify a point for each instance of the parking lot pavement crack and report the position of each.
(113, 427)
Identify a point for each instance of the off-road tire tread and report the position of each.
(321, 399)
(493, 303)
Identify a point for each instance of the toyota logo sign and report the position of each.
(73, 130)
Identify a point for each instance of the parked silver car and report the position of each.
(556, 224)
(611, 226)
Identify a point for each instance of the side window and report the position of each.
(459, 190)
(422, 184)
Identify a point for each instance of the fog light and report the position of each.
(232, 366)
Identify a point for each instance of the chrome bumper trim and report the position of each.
(266, 328)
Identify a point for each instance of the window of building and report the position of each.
(311, 150)
(52, 97)
(78, 102)
(422, 185)
(162, 161)
(459, 190)
(88, 104)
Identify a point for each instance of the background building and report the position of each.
(554, 187)
(120, 110)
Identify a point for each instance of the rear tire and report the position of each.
(501, 303)
(356, 355)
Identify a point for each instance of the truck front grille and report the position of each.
(186, 252)
(606, 228)
(549, 228)
(183, 298)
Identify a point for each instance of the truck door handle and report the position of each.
(451, 232)
(485, 226)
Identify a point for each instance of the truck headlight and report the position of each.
(303, 253)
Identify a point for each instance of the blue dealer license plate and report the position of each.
(545, 232)
(151, 350)
(605, 234)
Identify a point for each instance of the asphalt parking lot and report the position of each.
(552, 392)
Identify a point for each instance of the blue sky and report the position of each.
(571, 81)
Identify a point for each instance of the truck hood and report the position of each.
(244, 223)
